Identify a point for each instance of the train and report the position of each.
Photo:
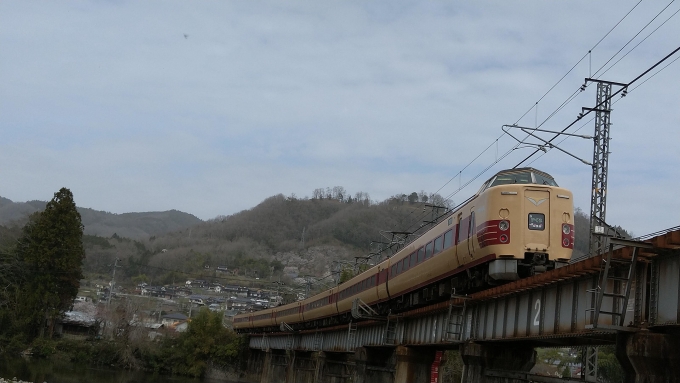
(519, 223)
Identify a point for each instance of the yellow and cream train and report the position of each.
(518, 224)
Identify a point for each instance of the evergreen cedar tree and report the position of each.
(51, 251)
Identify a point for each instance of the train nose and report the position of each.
(536, 216)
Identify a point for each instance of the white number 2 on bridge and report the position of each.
(537, 306)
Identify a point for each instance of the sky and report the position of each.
(210, 107)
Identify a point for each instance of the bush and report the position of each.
(43, 347)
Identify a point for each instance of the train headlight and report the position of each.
(566, 229)
(503, 225)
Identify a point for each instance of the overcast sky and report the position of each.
(211, 107)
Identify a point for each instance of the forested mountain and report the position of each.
(280, 231)
(305, 233)
(100, 223)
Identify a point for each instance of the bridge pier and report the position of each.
(374, 365)
(649, 357)
(393, 364)
(495, 363)
(413, 365)
(268, 366)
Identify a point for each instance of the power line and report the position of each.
(600, 104)
(633, 38)
(551, 115)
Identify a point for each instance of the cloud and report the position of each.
(111, 100)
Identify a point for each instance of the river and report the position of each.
(39, 370)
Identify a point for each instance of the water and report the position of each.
(39, 370)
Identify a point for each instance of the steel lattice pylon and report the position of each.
(598, 201)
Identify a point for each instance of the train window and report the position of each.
(473, 225)
(536, 221)
(405, 264)
(512, 178)
(399, 267)
(438, 244)
(373, 280)
(428, 250)
(462, 234)
(394, 271)
(448, 239)
(543, 180)
(413, 259)
(421, 254)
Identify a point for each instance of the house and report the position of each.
(168, 320)
(79, 323)
(180, 326)
(239, 304)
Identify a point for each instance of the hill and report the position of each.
(101, 223)
(305, 235)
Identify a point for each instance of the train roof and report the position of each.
(519, 176)
(521, 170)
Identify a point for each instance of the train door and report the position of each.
(472, 230)
(461, 240)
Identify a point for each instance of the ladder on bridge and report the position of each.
(290, 340)
(390, 335)
(265, 343)
(318, 341)
(351, 335)
(620, 285)
(455, 321)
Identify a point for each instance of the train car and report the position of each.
(243, 322)
(290, 313)
(263, 318)
(320, 309)
(368, 286)
(520, 223)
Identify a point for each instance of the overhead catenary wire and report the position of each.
(602, 102)
(613, 103)
(633, 38)
(569, 99)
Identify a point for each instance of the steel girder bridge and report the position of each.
(628, 296)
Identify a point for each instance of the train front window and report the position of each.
(512, 178)
(543, 180)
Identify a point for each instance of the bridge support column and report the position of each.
(374, 365)
(413, 365)
(649, 357)
(256, 366)
(274, 366)
(487, 363)
(335, 367)
(302, 367)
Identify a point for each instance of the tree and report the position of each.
(51, 251)
(205, 342)
(413, 198)
(345, 275)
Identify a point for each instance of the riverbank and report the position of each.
(31, 370)
(13, 380)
